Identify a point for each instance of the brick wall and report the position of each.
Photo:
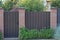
(2, 21)
(21, 16)
(53, 18)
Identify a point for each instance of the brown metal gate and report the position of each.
(11, 24)
(37, 20)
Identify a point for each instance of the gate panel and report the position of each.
(58, 16)
(11, 26)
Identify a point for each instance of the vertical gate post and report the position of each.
(1, 22)
(53, 18)
(21, 17)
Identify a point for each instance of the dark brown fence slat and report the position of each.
(37, 20)
(11, 26)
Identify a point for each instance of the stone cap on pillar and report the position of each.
(21, 8)
(53, 8)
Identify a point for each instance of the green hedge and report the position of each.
(55, 3)
(0, 36)
(31, 5)
(8, 5)
(35, 34)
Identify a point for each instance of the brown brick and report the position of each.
(53, 18)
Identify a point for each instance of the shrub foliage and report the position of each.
(31, 5)
(8, 5)
(35, 34)
(55, 3)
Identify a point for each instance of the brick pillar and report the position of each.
(1, 22)
(53, 18)
(21, 17)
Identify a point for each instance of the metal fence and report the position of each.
(11, 26)
(37, 20)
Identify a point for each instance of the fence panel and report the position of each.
(37, 20)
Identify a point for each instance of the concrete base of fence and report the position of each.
(41, 39)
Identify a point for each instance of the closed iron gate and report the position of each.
(37, 20)
(11, 24)
(58, 17)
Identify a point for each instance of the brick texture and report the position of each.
(2, 22)
(53, 18)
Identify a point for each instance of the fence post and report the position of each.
(2, 22)
(53, 18)
(21, 17)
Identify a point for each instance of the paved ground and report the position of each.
(10, 38)
(30, 39)
(43, 39)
